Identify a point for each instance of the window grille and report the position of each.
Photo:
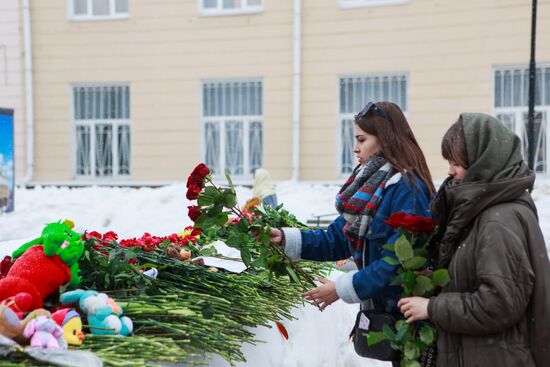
(233, 126)
(226, 7)
(511, 93)
(102, 130)
(354, 93)
(98, 9)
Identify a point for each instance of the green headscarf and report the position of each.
(494, 151)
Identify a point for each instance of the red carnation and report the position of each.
(93, 234)
(193, 192)
(110, 236)
(194, 212)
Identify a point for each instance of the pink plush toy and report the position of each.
(45, 333)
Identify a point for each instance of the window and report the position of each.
(511, 99)
(98, 9)
(227, 7)
(354, 93)
(233, 126)
(366, 3)
(102, 131)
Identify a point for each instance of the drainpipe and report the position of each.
(297, 90)
(29, 101)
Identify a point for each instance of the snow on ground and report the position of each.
(316, 338)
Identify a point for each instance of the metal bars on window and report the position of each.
(233, 126)
(511, 91)
(102, 130)
(98, 9)
(354, 92)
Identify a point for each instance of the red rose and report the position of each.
(193, 192)
(418, 224)
(411, 223)
(200, 172)
(194, 212)
(5, 266)
(396, 220)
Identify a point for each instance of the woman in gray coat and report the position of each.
(496, 309)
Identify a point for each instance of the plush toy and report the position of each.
(103, 313)
(71, 323)
(44, 333)
(9, 322)
(42, 266)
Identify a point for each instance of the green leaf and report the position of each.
(292, 274)
(388, 333)
(427, 334)
(231, 187)
(425, 282)
(389, 247)
(415, 263)
(440, 277)
(396, 280)
(220, 219)
(403, 249)
(390, 260)
(411, 351)
(246, 257)
(402, 329)
(229, 198)
(374, 337)
(419, 290)
(205, 200)
(409, 363)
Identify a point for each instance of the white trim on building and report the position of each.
(350, 4)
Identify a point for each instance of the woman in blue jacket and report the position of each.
(392, 176)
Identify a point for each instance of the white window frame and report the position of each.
(90, 17)
(91, 123)
(220, 11)
(519, 111)
(351, 115)
(351, 4)
(221, 120)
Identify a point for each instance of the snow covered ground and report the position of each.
(316, 338)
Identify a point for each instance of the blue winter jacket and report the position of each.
(370, 281)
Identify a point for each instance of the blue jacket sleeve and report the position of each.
(326, 245)
(378, 273)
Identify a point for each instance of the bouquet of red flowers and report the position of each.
(413, 275)
(219, 217)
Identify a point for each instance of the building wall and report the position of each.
(448, 48)
(164, 49)
(11, 77)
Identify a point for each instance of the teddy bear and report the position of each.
(103, 313)
(44, 332)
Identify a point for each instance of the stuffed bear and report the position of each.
(44, 333)
(103, 313)
(71, 323)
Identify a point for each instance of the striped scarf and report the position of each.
(359, 198)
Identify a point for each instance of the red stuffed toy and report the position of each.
(32, 278)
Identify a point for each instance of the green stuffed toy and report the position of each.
(59, 239)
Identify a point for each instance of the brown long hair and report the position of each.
(397, 142)
(453, 145)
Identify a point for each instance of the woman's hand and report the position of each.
(324, 295)
(276, 236)
(414, 308)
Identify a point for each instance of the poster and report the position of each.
(6, 161)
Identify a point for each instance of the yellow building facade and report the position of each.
(139, 92)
